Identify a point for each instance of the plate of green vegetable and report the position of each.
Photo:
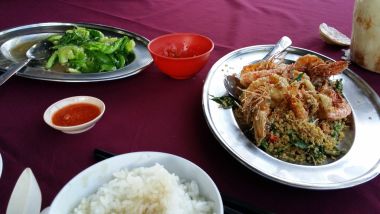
(80, 52)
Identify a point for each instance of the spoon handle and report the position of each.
(281, 45)
(14, 69)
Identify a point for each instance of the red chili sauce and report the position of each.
(75, 114)
(174, 52)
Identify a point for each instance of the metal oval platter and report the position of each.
(14, 42)
(360, 164)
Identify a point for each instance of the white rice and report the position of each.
(146, 190)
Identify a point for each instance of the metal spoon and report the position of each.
(280, 47)
(37, 52)
(233, 86)
(232, 83)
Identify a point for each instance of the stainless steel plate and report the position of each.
(360, 164)
(29, 34)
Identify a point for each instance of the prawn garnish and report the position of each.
(261, 65)
(306, 62)
(303, 88)
(333, 106)
(256, 108)
(328, 69)
(257, 100)
(298, 101)
(247, 77)
(316, 68)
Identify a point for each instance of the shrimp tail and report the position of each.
(328, 69)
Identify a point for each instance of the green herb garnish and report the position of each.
(339, 86)
(336, 129)
(264, 144)
(299, 77)
(300, 144)
(225, 102)
(296, 141)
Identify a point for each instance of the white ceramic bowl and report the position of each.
(72, 100)
(89, 180)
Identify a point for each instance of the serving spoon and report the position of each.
(232, 83)
(38, 51)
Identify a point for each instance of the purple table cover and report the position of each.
(153, 112)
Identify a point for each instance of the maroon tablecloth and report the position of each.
(152, 112)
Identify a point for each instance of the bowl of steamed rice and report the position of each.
(140, 182)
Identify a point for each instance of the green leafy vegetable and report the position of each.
(339, 86)
(336, 129)
(296, 141)
(299, 77)
(316, 153)
(225, 102)
(264, 144)
(84, 50)
(300, 144)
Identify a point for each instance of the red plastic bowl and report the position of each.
(181, 55)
